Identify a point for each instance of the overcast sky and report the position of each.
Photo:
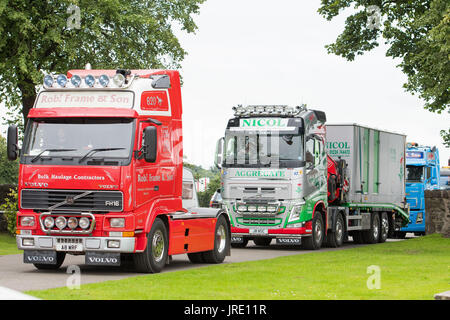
(266, 52)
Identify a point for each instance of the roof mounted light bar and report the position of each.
(269, 110)
(120, 81)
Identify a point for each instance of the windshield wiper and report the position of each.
(50, 150)
(92, 151)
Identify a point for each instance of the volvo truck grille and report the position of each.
(72, 200)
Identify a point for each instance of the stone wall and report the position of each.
(437, 209)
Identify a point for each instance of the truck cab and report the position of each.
(101, 174)
(422, 173)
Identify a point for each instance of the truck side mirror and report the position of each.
(219, 153)
(150, 144)
(12, 148)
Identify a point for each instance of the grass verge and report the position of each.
(8, 245)
(412, 269)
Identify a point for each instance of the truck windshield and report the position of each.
(263, 150)
(414, 173)
(52, 139)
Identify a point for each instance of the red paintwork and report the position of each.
(142, 204)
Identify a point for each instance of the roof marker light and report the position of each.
(75, 80)
(49, 80)
(103, 80)
(61, 80)
(89, 80)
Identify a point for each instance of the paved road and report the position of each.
(15, 274)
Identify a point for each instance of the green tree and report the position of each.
(9, 170)
(416, 32)
(43, 36)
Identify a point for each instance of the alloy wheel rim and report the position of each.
(158, 246)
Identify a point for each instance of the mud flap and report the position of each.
(39, 256)
(102, 258)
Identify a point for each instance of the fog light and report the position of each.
(84, 223)
(75, 80)
(89, 80)
(242, 208)
(251, 208)
(61, 222)
(118, 79)
(61, 80)
(115, 244)
(28, 242)
(48, 80)
(271, 209)
(72, 223)
(262, 208)
(49, 222)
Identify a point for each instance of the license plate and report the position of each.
(237, 239)
(69, 247)
(288, 241)
(258, 231)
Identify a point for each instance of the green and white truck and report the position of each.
(288, 176)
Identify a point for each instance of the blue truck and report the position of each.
(422, 173)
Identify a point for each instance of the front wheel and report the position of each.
(154, 257)
(60, 256)
(221, 243)
(314, 242)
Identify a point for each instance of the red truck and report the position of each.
(101, 174)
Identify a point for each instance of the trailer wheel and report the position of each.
(262, 241)
(60, 256)
(384, 227)
(373, 234)
(221, 243)
(314, 242)
(335, 238)
(243, 244)
(154, 257)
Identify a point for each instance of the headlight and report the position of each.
(61, 223)
(242, 208)
(49, 222)
(84, 223)
(61, 80)
(295, 213)
(117, 222)
(27, 221)
(271, 208)
(252, 208)
(72, 222)
(262, 208)
(89, 80)
(103, 80)
(48, 80)
(75, 80)
(119, 79)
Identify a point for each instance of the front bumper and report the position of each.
(127, 244)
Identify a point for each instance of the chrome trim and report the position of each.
(68, 232)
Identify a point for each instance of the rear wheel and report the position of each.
(373, 234)
(262, 241)
(314, 242)
(221, 243)
(384, 227)
(60, 256)
(335, 238)
(154, 257)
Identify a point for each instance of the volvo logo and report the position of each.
(70, 200)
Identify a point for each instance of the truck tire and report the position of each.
(372, 235)
(243, 244)
(60, 256)
(384, 227)
(262, 241)
(314, 242)
(221, 243)
(154, 257)
(335, 238)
